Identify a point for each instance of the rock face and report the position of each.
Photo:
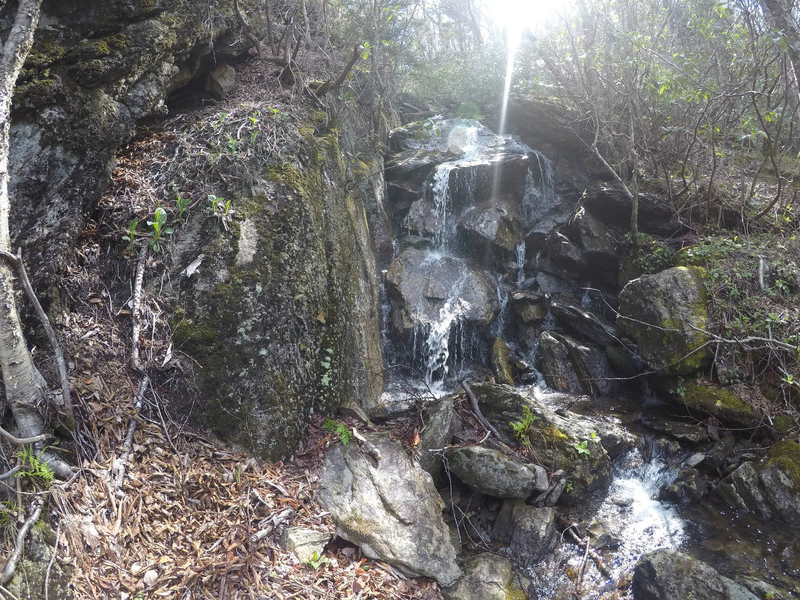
(771, 488)
(667, 575)
(486, 577)
(381, 501)
(420, 284)
(565, 441)
(95, 69)
(221, 81)
(495, 474)
(283, 313)
(666, 314)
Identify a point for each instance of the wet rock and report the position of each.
(530, 308)
(502, 362)
(563, 252)
(597, 243)
(764, 590)
(422, 220)
(381, 501)
(486, 577)
(669, 575)
(441, 422)
(724, 403)
(573, 367)
(666, 314)
(305, 544)
(554, 362)
(488, 234)
(680, 430)
(601, 537)
(530, 531)
(493, 473)
(221, 81)
(688, 486)
(612, 205)
(420, 283)
(769, 488)
(409, 169)
(564, 441)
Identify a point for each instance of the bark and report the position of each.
(780, 13)
(23, 393)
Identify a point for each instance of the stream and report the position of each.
(468, 256)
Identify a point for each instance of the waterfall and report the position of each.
(437, 342)
(540, 187)
(520, 255)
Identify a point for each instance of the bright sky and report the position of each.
(519, 16)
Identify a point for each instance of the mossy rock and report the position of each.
(501, 362)
(785, 455)
(724, 403)
(666, 314)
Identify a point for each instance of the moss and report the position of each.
(501, 362)
(718, 401)
(783, 423)
(786, 456)
(512, 592)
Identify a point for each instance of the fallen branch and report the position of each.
(331, 86)
(277, 520)
(473, 400)
(11, 564)
(592, 554)
(48, 328)
(22, 441)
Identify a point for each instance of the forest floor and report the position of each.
(181, 522)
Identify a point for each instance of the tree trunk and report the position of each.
(23, 393)
(780, 13)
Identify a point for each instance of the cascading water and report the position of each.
(540, 188)
(519, 254)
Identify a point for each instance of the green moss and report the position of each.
(501, 362)
(512, 592)
(786, 456)
(718, 401)
(783, 423)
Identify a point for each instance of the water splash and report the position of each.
(499, 324)
(436, 348)
(519, 252)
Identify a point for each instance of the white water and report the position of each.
(437, 342)
(540, 188)
(520, 256)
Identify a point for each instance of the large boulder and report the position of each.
(420, 283)
(611, 204)
(486, 577)
(494, 473)
(282, 315)
(565, 441)
(489, 234)
(728, 404)
(597, 243)
(666, 314)
(769, 488)
(440, 421)
(568, 365)
(384, 503)
(670, 575)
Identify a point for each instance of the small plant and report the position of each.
(522, 427)
(569, 487)
(182, 204)
(221, 208)
(340, 429)
(33, 468)
(582, 448)
(315, 561)
(130, 233)
(158, 228)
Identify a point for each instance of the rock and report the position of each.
(770, 488)
(680, 430)
(420, 283)
(530, 531)
(570, 366)
(564, 441)
(563, 252)
(554, 362)
(488, 234)
(305, 544)
(283, 315)
(612, 206)
(381, 501)
(597, 244)
(221, 81)
(422, 220)
(762, 589)
(501, 362)
(666, 315)
(689, 486)
(493, 473)
(440, 423)
(486, 577)
(669, 575)
(32, 571)
(724, 403)
(530, 308)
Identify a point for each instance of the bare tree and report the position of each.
(24, 393)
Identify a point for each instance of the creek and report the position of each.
(479, 264)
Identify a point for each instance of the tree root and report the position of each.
(11, 564)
